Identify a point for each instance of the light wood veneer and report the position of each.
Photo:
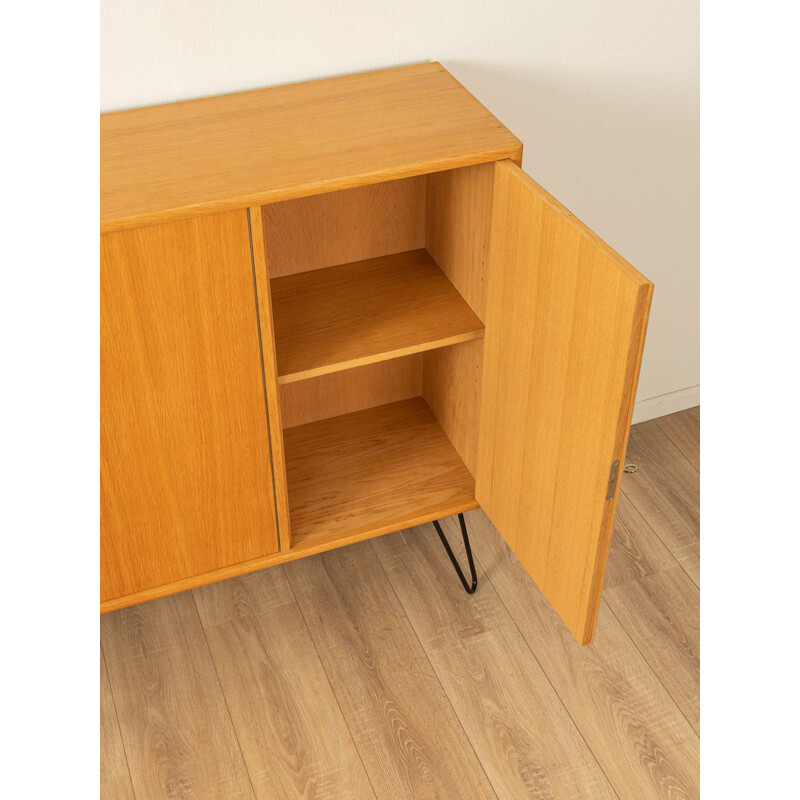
(339, 393)
(186, 485)
(341, 317)
(389, 323)
(325, 230)
(566, 317)
(197, 157)
(372, 472)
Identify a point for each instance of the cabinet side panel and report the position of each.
(186, 483)
(458, 217)
(269, 358)
(351, 390)
(349, 225)
(452, 389)
(458, 222)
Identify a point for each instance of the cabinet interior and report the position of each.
(378, 304)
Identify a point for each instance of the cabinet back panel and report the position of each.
(351, 390)
(340, 227)
(186, 485)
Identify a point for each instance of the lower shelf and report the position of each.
(372, 472)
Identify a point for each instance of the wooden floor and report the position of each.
(367, 672)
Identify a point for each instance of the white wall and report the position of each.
(603, 93)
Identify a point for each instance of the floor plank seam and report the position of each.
(650, 754)
(116, 717)
(438, 679)
(675, 561)
(327, 678)
(486, 577)
(224, 698)
(676, 444)
(655, 533)
(650, 666)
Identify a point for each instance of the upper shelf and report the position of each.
(202, 156)
(341, 317)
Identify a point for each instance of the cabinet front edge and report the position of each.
(111, 223)
(262, 562)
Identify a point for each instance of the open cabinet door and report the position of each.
(565, 328)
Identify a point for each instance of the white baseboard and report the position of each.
(666, 404)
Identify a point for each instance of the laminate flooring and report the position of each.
(367, 672)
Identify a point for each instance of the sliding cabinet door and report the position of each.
(565, 328)
(186, 480)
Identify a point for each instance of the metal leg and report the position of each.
(469, 588)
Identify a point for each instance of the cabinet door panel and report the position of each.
(186, 482)
(564, 335)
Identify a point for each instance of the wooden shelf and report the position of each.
(346, 316)
(372, 472)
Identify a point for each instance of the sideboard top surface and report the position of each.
(200, 156)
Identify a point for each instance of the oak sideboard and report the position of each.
(341, 308)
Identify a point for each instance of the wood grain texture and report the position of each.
(372, 472)
(355, 314)
(636, 551)
(458, 226)
(666, 490)
(179, 739)
(115, 780)
(683, 429)
(518, 727)
(457, 234)
(294, 738)
(351, 478)
(661, 613)
(266, 332)
(183, 159)
(410, 740)
(351, 390)
(636, 732)
(564, 333)
(186, 485)
(614, 691)
(451, 386)
(324, 230)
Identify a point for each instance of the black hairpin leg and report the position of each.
(469, 588)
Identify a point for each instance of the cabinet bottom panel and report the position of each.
(350, 478)
(371, 472)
